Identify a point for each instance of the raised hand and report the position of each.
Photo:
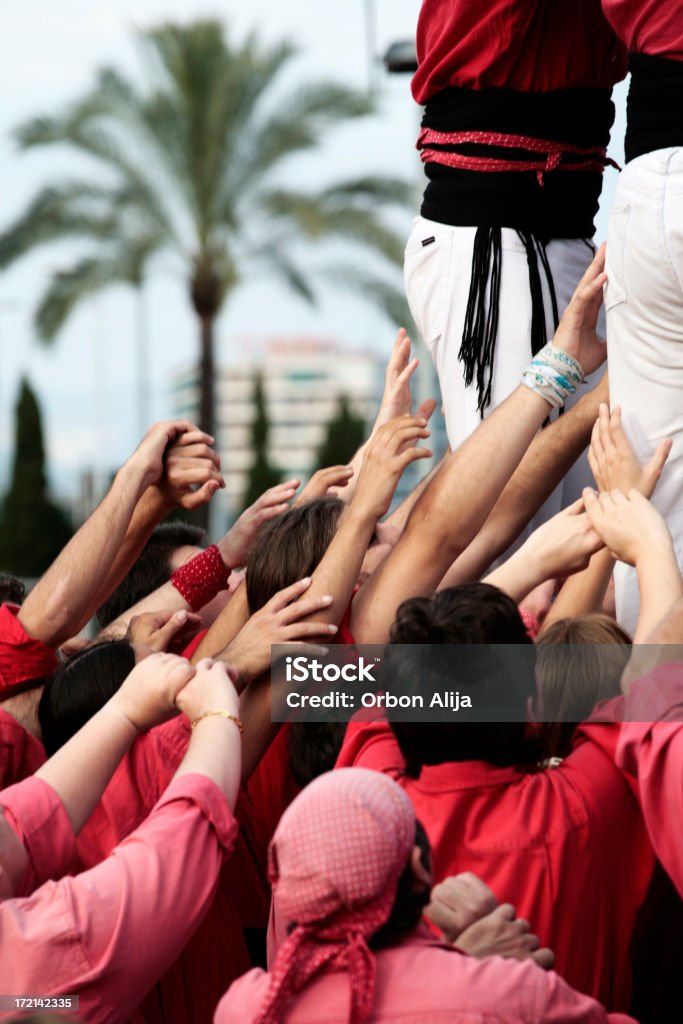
(387, 455)
(502, 933)
(280, 621)
(576, 333)
(235, 545)
(157, 630)
(564, 544)
(629, 525)
(212, 688)
(148, 457)
(613, 461)
(148, 694)
(397, 399)
(191, 474)
(323, 480)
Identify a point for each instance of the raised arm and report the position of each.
(614, 467)
(230, 552)
(636, 533)
(68, 594)
(132, 914)
(79, 772)
(550, 456)
(460, 497)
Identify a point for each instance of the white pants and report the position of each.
(437, 280)
(644, 303)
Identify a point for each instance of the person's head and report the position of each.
(80, 687)
(290, 547)
(345, 861)
(314, 748)
(12, 589)
(470, 614)
(579, 662)
(169, 546)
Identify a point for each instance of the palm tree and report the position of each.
(186, 166)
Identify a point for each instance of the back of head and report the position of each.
(80, 687)
(290, 547)
(473, 613)
(153, 568)
(12, 590)
(579, 663)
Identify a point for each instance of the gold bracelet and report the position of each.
(220, 714)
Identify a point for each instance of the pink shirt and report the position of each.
(106, 935)
(38, 817)
(21, 754)
(423, 982)
(652, 752)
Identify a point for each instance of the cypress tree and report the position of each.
(33, 530)
(262, 474)
(345, 435)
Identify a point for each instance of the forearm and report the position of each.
(64, 599)
(518, 576)
(550, 456)
(660, 585)
(399, 517)
(149, 511)
(337, 574)
(584, 592)
(226, 627)
(215, 752)
(80, 771)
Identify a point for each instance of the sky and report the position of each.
(48, 55)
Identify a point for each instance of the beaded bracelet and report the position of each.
(553, 375)
(219, 714)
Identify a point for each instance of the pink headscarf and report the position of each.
(334, 862)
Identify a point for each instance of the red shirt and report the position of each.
(653, 27)
(528, 45)
(22, 657)
(566, 846)
(21, 754)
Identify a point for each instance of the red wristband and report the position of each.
(200, 579)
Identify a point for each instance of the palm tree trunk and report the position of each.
(202, 516)
(206, 375)
(142, 360)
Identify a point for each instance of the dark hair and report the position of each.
(80, 687)
(11, 589)
(152, 569)
(410, 900)
(290, 547)
(473, 613)
(314, 748)
(579, 663)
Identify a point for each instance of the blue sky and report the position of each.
(48, 54)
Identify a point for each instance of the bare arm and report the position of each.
(584, 592)
(453, 508)
(549, 458)
(67, 595)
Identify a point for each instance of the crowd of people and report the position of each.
(171, 851)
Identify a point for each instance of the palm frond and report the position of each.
(74, 209)
(318, 218)
(68, 289)
(371, 288)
